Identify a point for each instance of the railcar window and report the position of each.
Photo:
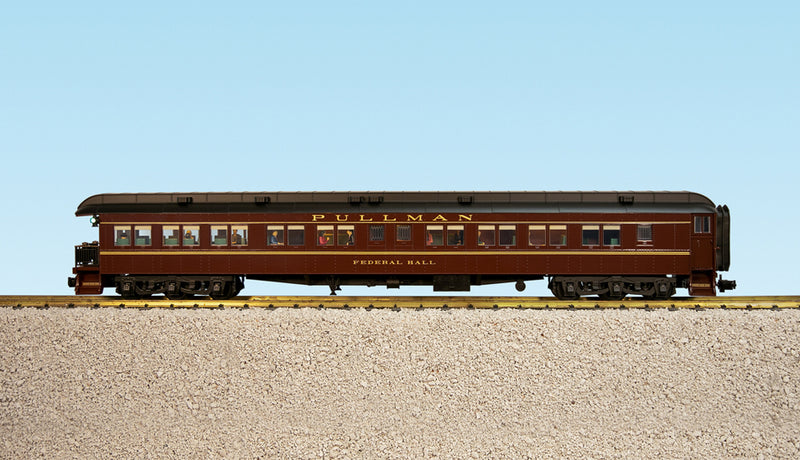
(611, 235)
(142, 235)
(275, 235)
(537, 235)
(324, 235)
(644, 233)
(296, 234)
(702, 224)
(403, 232)
(486, 235)
(191, 234)
(455, 235)
(558, 235)
(434, 235)
(591, 235)
(376, 233)
(508, 235)
(219, 235)
(170, 235)
(345, 235)
(239, 235)
(122, 235)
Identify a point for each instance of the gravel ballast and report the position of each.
(315, 383)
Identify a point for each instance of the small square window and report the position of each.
(171, 235)
(455, 235)
(376, 233)
(611, 235)
(122, 235)
(644, 233)
(219, 235)
(325, 235)
(142, 235)
(275, 235)
(558, 235)
(435, 235)
(190, 235)
(702, 224)
(508, 235)
(537, 235)
(403, 232)
(590, 235)
(296, 235)
(345, 235)
(239, 235)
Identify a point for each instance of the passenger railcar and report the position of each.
(609, 244)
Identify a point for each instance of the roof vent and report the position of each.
(375, 200)
(184, 200)
(625, 199)
(262, 200)
(465, 199)
(356, 200)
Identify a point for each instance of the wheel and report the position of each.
(127, 289)
(174, 291)
(560, 292)
(225, 291)
(662, 290)
(615, 291)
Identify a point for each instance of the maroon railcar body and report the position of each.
(606, 243)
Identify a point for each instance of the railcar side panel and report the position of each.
(579, 254)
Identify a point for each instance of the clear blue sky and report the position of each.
(249, 96)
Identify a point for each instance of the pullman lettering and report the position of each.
(388, 218)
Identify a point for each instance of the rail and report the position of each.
(378, 302)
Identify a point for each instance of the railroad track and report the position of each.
(342, 302)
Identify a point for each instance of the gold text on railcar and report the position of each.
(404, 262)
(387, 218)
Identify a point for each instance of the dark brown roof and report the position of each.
(604, 201)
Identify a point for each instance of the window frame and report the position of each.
(281, 238)
(456, 231)
(243, 236)
(500, 235)
(612, 228)
(342, 238)
(214, 230)
(434, 235)
(590, 228)
(702, 225)
(175, 231)
(377, 233)
(291, 235)
(557, 231)
(322, 231)
(149, 235)
(537, 228)
(491, 230)
(406, 231)
(123, 232)
(648, 230)
(195, 231)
